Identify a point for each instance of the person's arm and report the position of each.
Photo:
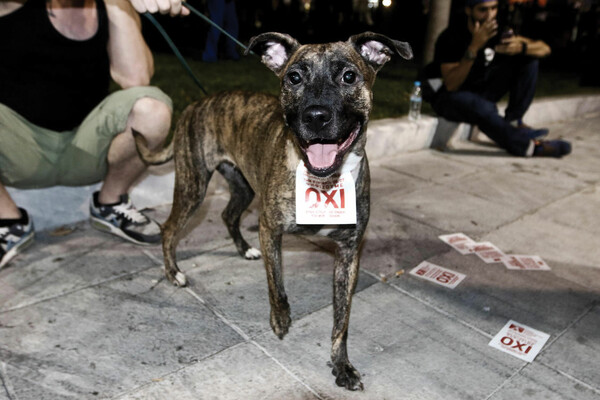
(454, 74)
(522, 45)
(131, 62)
(8, 6)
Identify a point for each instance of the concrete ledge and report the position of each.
(56, 206)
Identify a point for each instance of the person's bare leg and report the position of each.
(8, 208)
(152, 119)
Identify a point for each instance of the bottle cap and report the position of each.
(417, 83)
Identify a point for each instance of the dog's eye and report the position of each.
(294, 78)
(349, 77)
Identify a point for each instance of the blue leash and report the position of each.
(165, 35)
(175, 50)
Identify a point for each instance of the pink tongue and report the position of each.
(321, 156)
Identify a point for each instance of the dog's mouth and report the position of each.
(325, 157)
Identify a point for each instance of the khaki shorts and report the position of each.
(35, 157)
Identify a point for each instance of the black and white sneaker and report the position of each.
(15, 237)
(124, 220)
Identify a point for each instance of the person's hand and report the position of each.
(172, 7)
(510, 46)
(482, 32)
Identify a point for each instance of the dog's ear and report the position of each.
(275, 49)
(377, 49)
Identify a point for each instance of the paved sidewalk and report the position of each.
(86, 316)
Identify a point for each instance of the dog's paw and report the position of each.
(252, 254)
(178, 279)
(281, 322)
(347, 376)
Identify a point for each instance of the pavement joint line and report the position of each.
(566, 196)
(510, 378)
(174, 372)
(248, 339)
(153, 257)
(385, 167)
(78, 289)
(289, 372)
(524, 215)
(571, 324)
(572, 378)
(6, 384)
(410, 218)
(426, 303)
(518, 371)
(429, 180)
(545, 205)
(218, 314)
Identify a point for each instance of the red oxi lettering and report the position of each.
(308, 192)
(329, 197)
(507, 341)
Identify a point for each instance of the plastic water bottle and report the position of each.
(414, 111)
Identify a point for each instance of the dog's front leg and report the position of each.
(270, 242)
(344, 283)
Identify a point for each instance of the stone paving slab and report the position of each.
(238, 287)
(103, 340)
(394, 243)
(576, 351)
(240, 372)
(429, 166)
(388, 184)
(540, 382)
(522, 195)
(402, 349)
(574, 211)
(451, 210)
(487, 178)
(96, 258)
(491, 295)
(538, 236)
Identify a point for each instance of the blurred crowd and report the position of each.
(570, 27)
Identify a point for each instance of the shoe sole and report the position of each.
(104, 226)
(15, 251)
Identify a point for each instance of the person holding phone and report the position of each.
(478, 66)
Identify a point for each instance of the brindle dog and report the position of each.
(257, 141)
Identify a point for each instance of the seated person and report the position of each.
(58, 123)
(477, 68)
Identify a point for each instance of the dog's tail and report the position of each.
(148, 156)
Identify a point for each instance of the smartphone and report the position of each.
(507, 33)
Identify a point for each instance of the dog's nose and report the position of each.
(316, 117)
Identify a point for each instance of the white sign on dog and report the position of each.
(325, 201)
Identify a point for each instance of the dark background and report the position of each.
(570, 27)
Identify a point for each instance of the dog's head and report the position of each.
(326, 90)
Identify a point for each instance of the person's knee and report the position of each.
(465, 107)
(526, 65)
(151, 118)
(532, 65)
